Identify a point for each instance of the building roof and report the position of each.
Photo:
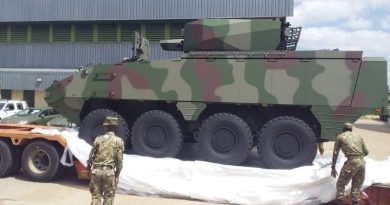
(31, 78)
(100, 10)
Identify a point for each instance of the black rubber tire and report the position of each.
(41, 161)
(145, 140)
(224, 138)
(286, 142)
(9, 159)
(92, 125)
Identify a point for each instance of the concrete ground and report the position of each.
(17, 190)
(376, 135)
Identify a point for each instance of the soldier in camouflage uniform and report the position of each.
(105, 164)
(354, 149)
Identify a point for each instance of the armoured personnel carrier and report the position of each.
(239, 84)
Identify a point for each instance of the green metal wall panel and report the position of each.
(155, 32)
(18, 33)
(62, 33)
(176, 30)
(127, 31)
(84, 33)
(107, 33)
(40, 33)
(3, 34)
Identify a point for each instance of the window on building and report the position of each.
(29, 97)
(84, 33)
(19, 33)
(155, 32)
(3, 33)
(62, 33)
(127, 31)
(6, 94)
(107, 32)
(40, 33)
(176, 30)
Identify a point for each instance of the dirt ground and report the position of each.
(17, 190)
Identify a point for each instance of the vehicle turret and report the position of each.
(235, 35)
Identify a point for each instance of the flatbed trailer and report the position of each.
(39, 155)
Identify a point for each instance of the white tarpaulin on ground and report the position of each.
(227, 184)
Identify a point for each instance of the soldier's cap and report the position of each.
(348, 125)
(110, 120)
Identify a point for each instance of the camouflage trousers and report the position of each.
(355, 169)
(103, 184)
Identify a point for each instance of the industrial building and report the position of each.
(44, 40)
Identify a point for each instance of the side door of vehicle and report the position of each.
(47, 115)
(51, 114)
(10, 109)
(19, 106)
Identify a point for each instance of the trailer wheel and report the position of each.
(41, 161)
(9, 159)
(156, 133)
(286, 142)
(224, 138)
(92, 125)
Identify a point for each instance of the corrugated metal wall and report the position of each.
(71, 55)
(86, 10)
(26, 79)
(40, 56)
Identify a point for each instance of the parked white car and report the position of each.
(11, 107)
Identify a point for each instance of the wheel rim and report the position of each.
(286, 145)
(155, 136)
(39, 161)
(224, 140)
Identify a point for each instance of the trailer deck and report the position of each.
(20, 134)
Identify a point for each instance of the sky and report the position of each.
(346, 25)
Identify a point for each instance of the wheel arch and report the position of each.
(133, 108)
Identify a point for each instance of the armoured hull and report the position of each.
(337, 86)
(238, 84)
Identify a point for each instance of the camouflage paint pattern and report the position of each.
(326, 80)
(213, 34)
(354, 149)
(338, 86)
(107, 150)
(105, 162)
(102, 184)
(351, 144)
(354, 169)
